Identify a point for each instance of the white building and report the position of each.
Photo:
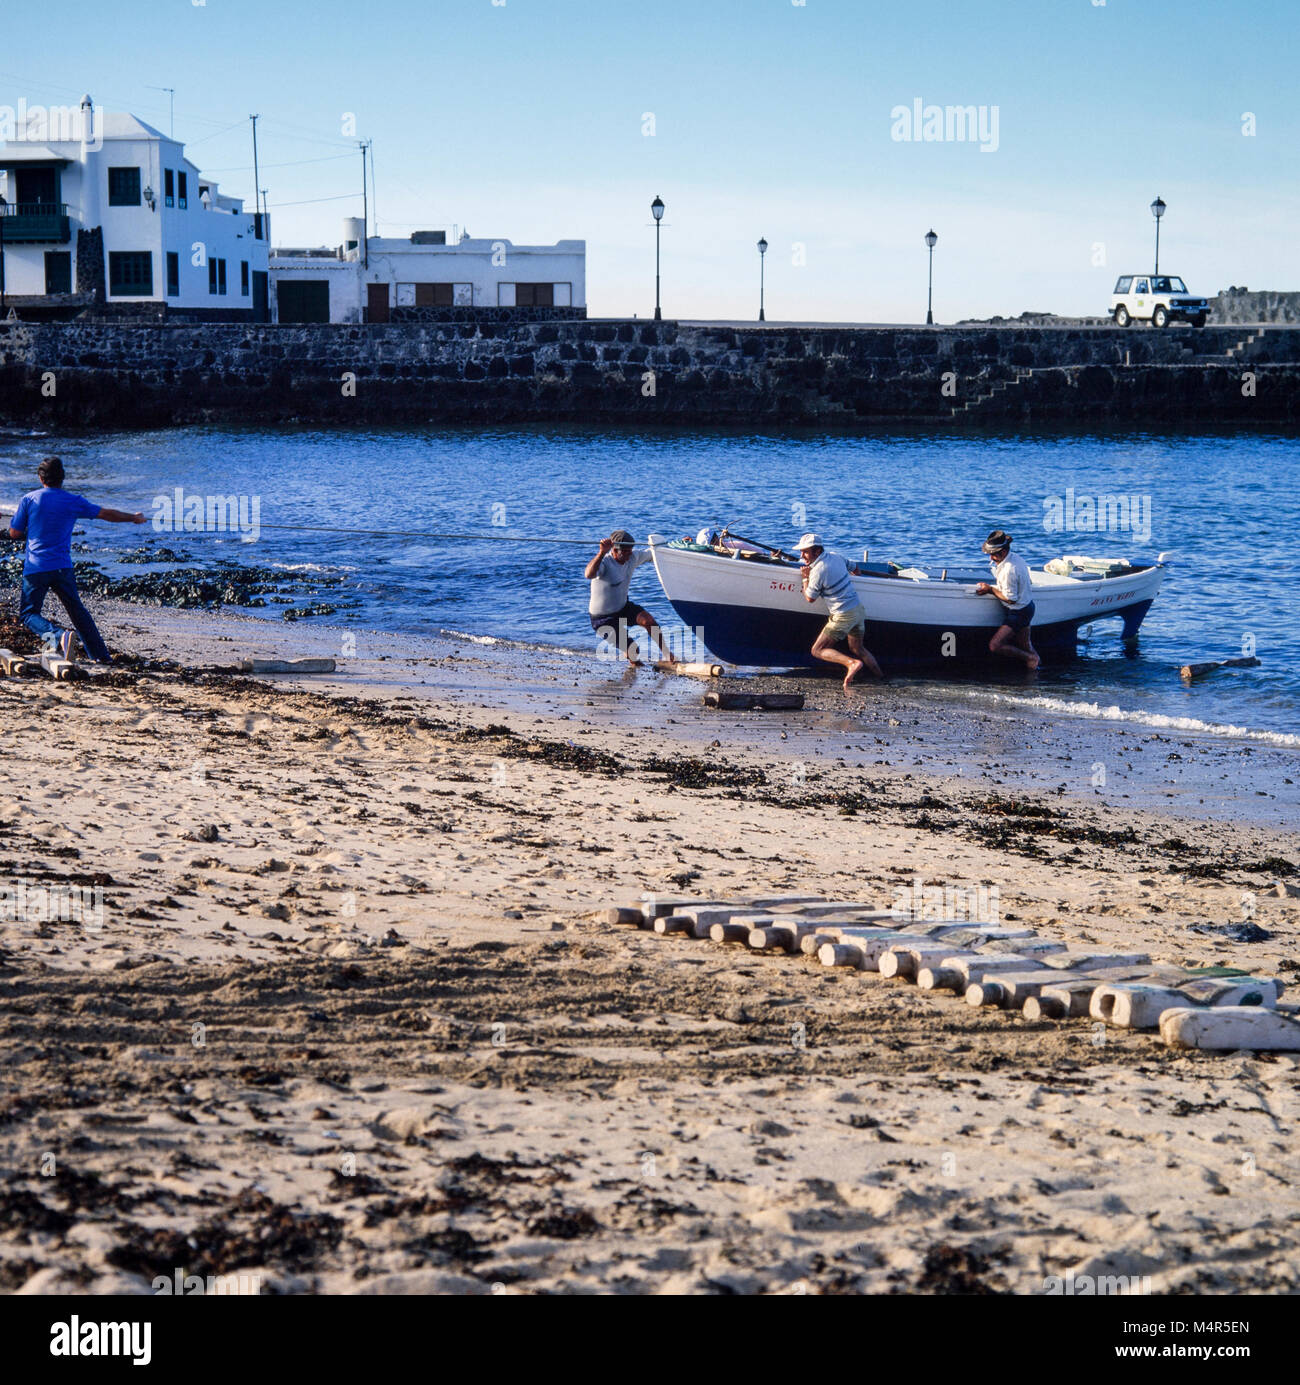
(99, 203)
(385, 279)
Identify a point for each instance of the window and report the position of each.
(173, 274)
(1124, 284)
(130, 274)
(1141, 287)
(217, 276)
(169, 188)
(243, 277)
(123, 187)
(534, 295)
(58, 271)
(434, 295)
(182, 196)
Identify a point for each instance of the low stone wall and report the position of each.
(128, 374)
(1242, 306)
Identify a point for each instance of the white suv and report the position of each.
(1158, 298)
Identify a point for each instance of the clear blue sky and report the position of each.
(524, 120)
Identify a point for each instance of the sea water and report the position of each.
(1225, 504)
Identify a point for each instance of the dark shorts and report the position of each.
(629, 613)
(1019, 620)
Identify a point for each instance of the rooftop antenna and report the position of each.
(171, 93)
(364, 145)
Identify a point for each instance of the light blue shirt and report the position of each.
(829, 577)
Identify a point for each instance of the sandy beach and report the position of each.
(353, 1023)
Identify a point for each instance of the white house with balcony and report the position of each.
(383, 279)
(99, 206)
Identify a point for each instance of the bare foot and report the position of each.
(1032, 662)
(855, 668)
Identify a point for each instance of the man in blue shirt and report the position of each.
(46, 519)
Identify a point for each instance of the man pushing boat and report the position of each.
(826, 575)
(610, 573)
(1014, 589)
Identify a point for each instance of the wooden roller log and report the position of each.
(286, 665)
(1068, 997)
(1190, 671)
(61, 669)
(628, 915)
(907, 960)
(697, 670)
(1135, 1005)
(754, 702)
(666, 924)
(1231, 1027)
(729, 933)
(1096, 961)
(811, 943)
(840, 955)
(699, 921)
(16, 665)
(1010, 990)
(956, 973)
(784, 937)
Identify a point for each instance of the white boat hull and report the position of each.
(754, 613)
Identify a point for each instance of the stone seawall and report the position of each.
(124, 374)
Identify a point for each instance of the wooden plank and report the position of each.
(1070, 997)
(906, 960)
(286, 665)
(1230, 1027)
(754, 702)
(1096, 961)
(781, 901)
(1139, 1005)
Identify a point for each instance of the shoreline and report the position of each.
(353, 1022)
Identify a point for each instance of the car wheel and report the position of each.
(1199, 320)
(1160, 318)
(1122, 318)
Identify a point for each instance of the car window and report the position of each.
(1124, 284)
(1141, 287)
(1176, 285)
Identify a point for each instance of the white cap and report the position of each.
(809, 541)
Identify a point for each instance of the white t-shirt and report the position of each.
(609, 585)
(1011, 578)
(829, 577)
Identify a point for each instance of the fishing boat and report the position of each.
(746, 604)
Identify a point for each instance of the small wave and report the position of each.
(1158, 721)
(502, 643)
(314, 567)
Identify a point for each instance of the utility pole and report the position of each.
(365, 209)
(171, 92)
(257, 182)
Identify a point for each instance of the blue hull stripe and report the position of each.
(761, 636)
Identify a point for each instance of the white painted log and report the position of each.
(729, 933)
(811, 943)
(826, 909)
(840, 955)
(1070, 998)
(627, 915)
(672, 923)
(15, 665)
(1009, 989)
(1230, 1027)
(784, 937)
(956, 973)
(57, 666)
(1134, 1005)
(699, 921)
(690, 670)
(783, 901)
(874, 949)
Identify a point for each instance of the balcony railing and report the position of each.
(28, 222)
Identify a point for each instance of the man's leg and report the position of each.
(1027, 644)
(1006, 641)
(863, 654)
(64, 587)
(36, 586)
(824, 649)
(651, 626)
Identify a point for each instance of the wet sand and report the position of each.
(351, 1023)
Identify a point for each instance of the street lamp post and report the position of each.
(1157, 211)
(762, 261)
(930, 240)
(657, 207)
(3, 212)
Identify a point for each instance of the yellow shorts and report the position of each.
(848, 623)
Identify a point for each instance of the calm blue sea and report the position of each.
(1227, 504)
